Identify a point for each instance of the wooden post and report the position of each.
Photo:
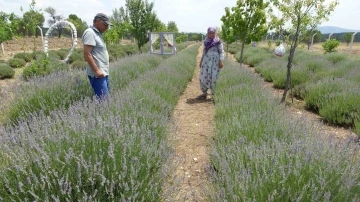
(2, 48)
(352, 40)
(312, 40)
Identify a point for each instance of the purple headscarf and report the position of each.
(208, 43)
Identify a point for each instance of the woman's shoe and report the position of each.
(201, 97)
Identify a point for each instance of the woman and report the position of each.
(211, 62)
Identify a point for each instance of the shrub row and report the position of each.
(261, 154)
(108, 151)
(6, 71)
(311, 78)
(44, 94)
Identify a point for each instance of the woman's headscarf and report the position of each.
(208, 43)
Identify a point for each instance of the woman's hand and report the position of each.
(221, 65)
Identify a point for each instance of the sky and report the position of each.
(189, 15)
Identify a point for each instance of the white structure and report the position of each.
(165, 39)
(73, 36)
(330, 35)
(312, 39)
(352, 40)
(42, 37)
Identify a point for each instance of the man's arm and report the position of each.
(90, 60)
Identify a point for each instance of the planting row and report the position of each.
(104, 151)
(261, 154)
(48, 93)
(330, 83)
(39, 66)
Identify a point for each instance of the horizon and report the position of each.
(189, 16)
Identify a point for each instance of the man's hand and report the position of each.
(221, 65)
(99, 74)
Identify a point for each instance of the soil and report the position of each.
(29, 44)
(192, 127)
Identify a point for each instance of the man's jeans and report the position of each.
(100, 86)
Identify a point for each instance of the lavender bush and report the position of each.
(307, 71)
(112, 150)
(262, 154)
(61, 89)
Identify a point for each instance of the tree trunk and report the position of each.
(139, 47)
(227, 50)
(60, 32)
(288, 73)
(290, 60)
(2, 48)
(242, 49)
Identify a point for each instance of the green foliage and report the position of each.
(335, 57)
(5, 28)
(6, 71)
(75, 57)
(38, 55)
(269, 44)
(16, 62)
(301, 15)
(181, 39)
(227, 32)
(330, 45)
(347, 38)
(247, 21)
(277, 43)
(142, 19)
(62, 54)
(31, 19)
(79, 24)
(172, 27)
(78, 64)
(342, 108)
(42, 67)
(111, 36)
(121, 22)
(276, 157)
(25, 56)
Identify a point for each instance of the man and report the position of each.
(96, 55)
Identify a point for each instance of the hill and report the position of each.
(333, 29)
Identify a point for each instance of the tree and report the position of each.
(172, 27)
(32, 19)
(79, 24)
(347, 38)
(5, 29)
(247, 20)
(159, 26)
(301, 14)
(227, 31)
(111, 36)
(142, 19)
(121, 23)
(55, 18)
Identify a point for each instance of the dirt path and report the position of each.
(192, 127)
(297, 109)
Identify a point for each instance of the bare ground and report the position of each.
(192, 125)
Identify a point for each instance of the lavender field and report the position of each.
(260, 153)
(58, 146)
(113, 150)
(329, 84)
